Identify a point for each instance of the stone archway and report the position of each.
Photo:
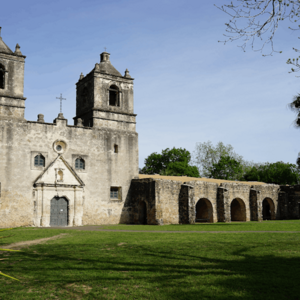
(143, 213)
(268, 209)
(59, 213)
(204, 211)
(238, 210)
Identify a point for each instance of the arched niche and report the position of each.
(204, 211)
(268, 209)
(238, 210)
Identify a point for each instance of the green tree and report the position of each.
(172, 162)
(278, 173)
(206, 155)
(227, 168)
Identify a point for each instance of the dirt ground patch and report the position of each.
(24, 244)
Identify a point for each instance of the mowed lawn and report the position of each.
(146, 265)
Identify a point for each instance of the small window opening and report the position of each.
(79, 164)
(114, 96)
(115, 193)
(116, 148)
(2, 77)
(39, 161)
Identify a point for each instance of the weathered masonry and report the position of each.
(163, 201)
(55, 174)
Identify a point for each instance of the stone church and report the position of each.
(56, 174)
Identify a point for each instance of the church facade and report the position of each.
(56, 174)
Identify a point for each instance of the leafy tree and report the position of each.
(227, 168)
(206, 155)
(172, 162)
(277, 173)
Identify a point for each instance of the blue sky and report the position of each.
(188, 87)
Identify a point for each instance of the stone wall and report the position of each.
(269, 193)
(20, 141)
(289, 202)
(205, 195)
(186, 202)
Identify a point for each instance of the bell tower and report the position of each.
(12, 101)
(105, 97)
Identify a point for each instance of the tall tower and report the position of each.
(12, 101)
(105, 97)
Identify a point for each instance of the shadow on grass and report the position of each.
(166, 274)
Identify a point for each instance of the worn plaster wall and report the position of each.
(19, 143)
(167, 193)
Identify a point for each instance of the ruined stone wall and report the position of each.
(21, 141)
(173, 202)
(167, 194)
(161, 197)
(289, 202)
(208, 191)
(236, 191)
(267, 191)
(141, 190)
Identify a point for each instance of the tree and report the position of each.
(172, 162)
(256, 21)
(276, 173)
(206, 155)
(227, 168)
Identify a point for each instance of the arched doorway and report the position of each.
(143, 213)
(268, 209)
(238, 210)
(204, 211)
(59, 214)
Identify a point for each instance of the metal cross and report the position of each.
(61, 99)
(105, 49)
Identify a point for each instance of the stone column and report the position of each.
(186, 205)
(223, 205)
(253, 205)
(259, 207)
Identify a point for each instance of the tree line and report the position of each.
(219, 162)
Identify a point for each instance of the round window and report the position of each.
(59, 146)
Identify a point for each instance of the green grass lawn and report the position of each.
(134, 265)
(276, 225)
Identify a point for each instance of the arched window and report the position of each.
(114, 96)
(79, 164)
(2, 77)
(39, 161)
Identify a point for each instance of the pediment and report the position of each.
(59, 172)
